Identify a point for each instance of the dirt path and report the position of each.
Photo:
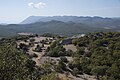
(39, 54)
(40, 59)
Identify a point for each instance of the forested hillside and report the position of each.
(55, 27)
(15, 64)
(98, 54)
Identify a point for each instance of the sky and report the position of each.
(15, 11)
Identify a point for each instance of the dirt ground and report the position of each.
(71, 47)
(69, 76)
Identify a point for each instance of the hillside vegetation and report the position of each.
(55, 27)
(98, 54)
(15, 64)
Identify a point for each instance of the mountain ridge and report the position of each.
(94, 21)
(59, 18)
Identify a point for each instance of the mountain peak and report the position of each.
(32, 19)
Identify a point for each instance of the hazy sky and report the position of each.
(14, 11)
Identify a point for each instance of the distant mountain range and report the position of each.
(90, 21)
(63, 25)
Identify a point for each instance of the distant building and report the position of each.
(66, 41)
(25, 33)
(78, 36)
